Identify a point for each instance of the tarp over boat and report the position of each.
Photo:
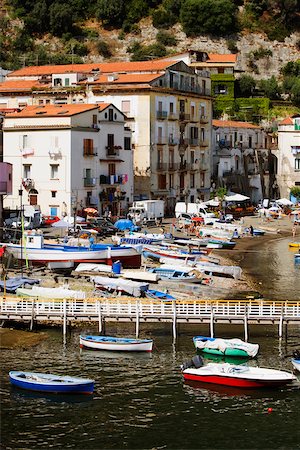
(223, 344)
(12, 284)
(45, 292)
(116, 284)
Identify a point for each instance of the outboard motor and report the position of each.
(196, 362)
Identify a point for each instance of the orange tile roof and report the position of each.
(125, 78)
(286, 121)
(55, 110)
(19, 85)
(125, 66)
(233, 124)
(221, 58)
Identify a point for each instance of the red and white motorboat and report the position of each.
(238, 376)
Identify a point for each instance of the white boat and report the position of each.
(296, 364)
(205, 267)
(44, 292)
(96, 268)
(119, 285)
(141, 275)
(235, 376)
(116, 344)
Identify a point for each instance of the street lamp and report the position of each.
(186, 193)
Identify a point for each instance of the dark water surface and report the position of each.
(141, 402)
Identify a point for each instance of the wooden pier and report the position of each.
(137, 310)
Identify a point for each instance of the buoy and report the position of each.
(270, 410)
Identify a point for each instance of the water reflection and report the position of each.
(22, 395)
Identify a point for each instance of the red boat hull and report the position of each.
(234, 382)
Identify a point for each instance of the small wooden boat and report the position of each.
(294, 244)
(296, 364)
(235, 376)
(45, 382)
(174, 274)
(257, 232)
(129, 287)
(116, 344)
(225, 347)
(158, 295)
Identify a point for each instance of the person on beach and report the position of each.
(251, 231)
(294, 231)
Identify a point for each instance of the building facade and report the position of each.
(69, 157)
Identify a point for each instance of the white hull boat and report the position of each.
(116, 344)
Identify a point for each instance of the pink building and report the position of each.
(5, 178)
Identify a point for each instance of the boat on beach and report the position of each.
(52, 293)
(119, 285)
(236, 376)
(176, 274)
(116, 344)
(225, 347)
(158, 295)
(294, 244)
(296, 364)
(44, 382)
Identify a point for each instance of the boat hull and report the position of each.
(64, 385)
(296, 364)
(235, 382)
(115, 344)
(236, 353)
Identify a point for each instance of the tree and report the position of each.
(295, 92)
(270, 88)
(245, 86)
(112, 13)
(206, 17)
(61, 18)
(295, 191)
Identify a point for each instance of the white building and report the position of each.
(288, 154)
(69, 156)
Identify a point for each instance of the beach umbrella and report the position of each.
(91, 211)
(61, 224)
(212, 203)
(284, 202)
(236, 198)
(124, 224)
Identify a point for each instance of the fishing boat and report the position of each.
(296, 364)
(294, 244)
(225, 347)
(236, 376)
(175, 274)
(129, 287)
(297, 257)
(116, 344)
(45, 382)
(204, 267)
(36, 251)
(158, 295)
(53, 293)
(257, 232)
(155, 252)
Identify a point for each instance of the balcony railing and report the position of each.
(112, 179)
(113, 150)
(203, 119)
(161, 167)
(161, 114)
(183, 117)
(89, 182)
(194, 142)
(90, 151)
(173, 141)
(203, 143)
(162, 140)
(173, 116)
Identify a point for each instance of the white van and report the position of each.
(196, 209)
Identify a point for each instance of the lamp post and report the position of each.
(186, 193)
(22, 225)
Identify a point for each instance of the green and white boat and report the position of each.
(225, 347)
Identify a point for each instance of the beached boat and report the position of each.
(204, 267)
(45, 292)
(296, 364)
(225, 347)
(44, 382)
(129, 287)
(257, 232)
(116, 344)
(294, 244)
(236, 376)
(158, 295)
(297, 257)
(151, 251)
(175, 274)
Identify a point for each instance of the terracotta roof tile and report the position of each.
(134, 66)
(19, 85)
(233, 124)
(221, 58)
(54, 110)
(286, 121)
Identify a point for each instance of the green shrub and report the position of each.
(261, 53)
(231, 45)
(166, 39)
(143, 53)
(103, 49)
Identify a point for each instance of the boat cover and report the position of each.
(12, 284)
(130, 287)
(223, 344)
(51, 293)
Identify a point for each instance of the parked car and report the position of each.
(104, 226)
(47, 221)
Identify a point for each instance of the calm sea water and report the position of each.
(141, 402)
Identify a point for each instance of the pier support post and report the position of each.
(64, 318)
(174, 320)
(211, 322)
(246, 323)
(32, 315)
(99, 316)
(137, 318)
(280, 327)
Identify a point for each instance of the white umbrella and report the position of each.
(236, 198)
(284, 202)
(61, 224)
(212, 203)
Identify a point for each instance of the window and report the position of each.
(171, 158)
(162, 181)
(203, 86)
(88, 147)
(110, 140)
(202, 179)
(127, 143)
(171, 108)
(53, 211)
(53, 194)
(125, 108)
(160, 106)
(297, 164)
(24, 141)
(235, 136)
(54, 171)
(192, 180)
(26, 170)
(250, 141)
(192, 109)
(57, 82)
(41, 102)
(171, 79)
(47, 101)
(192, 157)
(159, 135)
(95, 119)
(159, 158)
(110, 114)
(111, 169)
(67, 82)
(202, 111)
(171, 181)
(194, 133)
(202, 134)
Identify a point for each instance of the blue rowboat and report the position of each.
(116, 344)
(158, 295)
(46, 382)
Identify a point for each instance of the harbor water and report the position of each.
(140, 400)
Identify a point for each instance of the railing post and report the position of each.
(246, 323)
(137, 318)
(280, 323)
(64, 318)
(99, 316)
(32, 315)
(212, 322)
(174, 320)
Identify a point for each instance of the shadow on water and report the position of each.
(20, 394)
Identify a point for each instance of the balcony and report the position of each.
(203, 119)
(113, 150)
(172, 141)
(183, 117)
(161, 167)
(161, 140)
(90, 151)
(194, 142)
(28, 151)
(204, 143)
(89, 182)
(113, 179)
(173, 116)
(161, 114)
